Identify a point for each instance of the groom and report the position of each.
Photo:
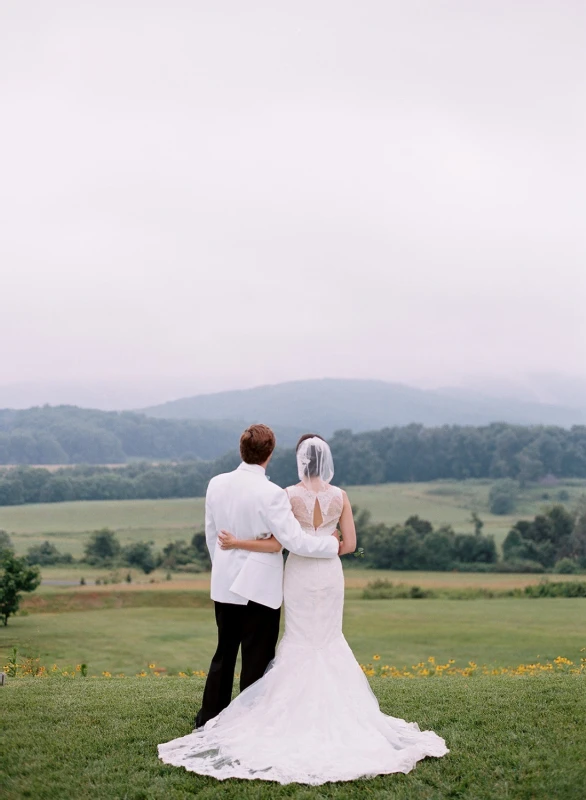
(247, 588)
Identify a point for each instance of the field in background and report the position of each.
(56, 579)
(170, 622)
(442, 502)
(177, 631)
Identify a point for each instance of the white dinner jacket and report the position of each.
(247, 504)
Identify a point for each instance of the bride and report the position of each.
(312, 718)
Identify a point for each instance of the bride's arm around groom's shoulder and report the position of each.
(289, 533)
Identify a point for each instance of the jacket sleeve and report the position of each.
(281, 521)
(210, 526)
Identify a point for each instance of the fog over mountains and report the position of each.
(333, 404)
(127, 394)
(206, 426)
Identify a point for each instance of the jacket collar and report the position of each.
(252, 468)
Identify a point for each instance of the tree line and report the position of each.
(515, 454)
(554, 540)
(141, 480)
(72, 435)
(416, 453)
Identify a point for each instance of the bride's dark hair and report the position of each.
(312, 468)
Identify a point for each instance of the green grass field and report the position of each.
(67, 525)
(176, 630)
(514, 738)
(179, 632)
(511, 737)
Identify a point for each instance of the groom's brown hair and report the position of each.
(256, 444)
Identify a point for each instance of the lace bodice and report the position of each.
(331, 503)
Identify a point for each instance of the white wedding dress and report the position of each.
(312, 718)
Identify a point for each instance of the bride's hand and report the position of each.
(227, 541)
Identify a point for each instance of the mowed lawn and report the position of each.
(125, 631)
(67, 525)
(509, 737)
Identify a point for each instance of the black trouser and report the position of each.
(256, 628)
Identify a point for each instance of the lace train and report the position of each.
(311, 719)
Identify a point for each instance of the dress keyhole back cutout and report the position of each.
(317, 515)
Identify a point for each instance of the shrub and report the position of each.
(545, 539)
(518, 548)
(140, 554)
(565, 589)
(421, 526)
(200, 550)
(521, 565)
(577, 543)
(46, 554)
(193, 568)
(398, 547)
(386, 590)
(16, 577)
(474, 547)
(179, 555)
(502, 498)
(437, 549)
(5, 542)
(567, 566)
(103, 548)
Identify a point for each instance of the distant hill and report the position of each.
(328, 405)
(72, 435)
(206, 427)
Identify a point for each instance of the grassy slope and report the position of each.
(516, 738)
(500, 632)
(66, 524)
(442, 502)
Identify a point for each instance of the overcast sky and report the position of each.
(219, 193)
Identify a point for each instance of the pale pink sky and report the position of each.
(224, 194)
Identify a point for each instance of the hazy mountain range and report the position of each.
(332, 404)
(206, 426)
(129, 394)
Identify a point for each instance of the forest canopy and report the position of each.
(413, 453)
